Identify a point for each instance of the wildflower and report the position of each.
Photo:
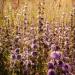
(18, 56)
(17, 50)
(13, 56)
(60, 63)
(66, 69)
(50, 66)
(51, 72)
(56, 55)
(34, 53)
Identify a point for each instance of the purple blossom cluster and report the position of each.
(57, 66)
(60, 68)
(35, 45)
(50, 44)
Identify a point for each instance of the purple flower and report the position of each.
(18, 57)
(56, 55)
(60, 63)
(35, 46)
(66, 68)
(51, 72)
(17, 50)
(13, 56)
(34, 53)
(50, 66)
